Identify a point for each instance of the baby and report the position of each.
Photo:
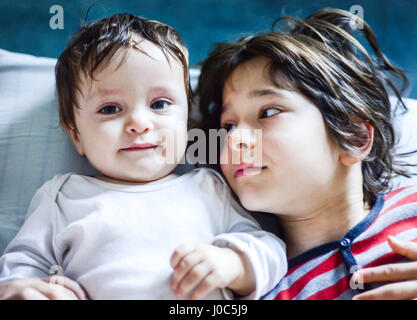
(137, 231)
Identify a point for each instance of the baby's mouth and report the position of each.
(140, 146)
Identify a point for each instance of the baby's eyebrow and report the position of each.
(161, 90)
(105, 92)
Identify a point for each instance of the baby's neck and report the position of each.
(329, 222)
(135, 183)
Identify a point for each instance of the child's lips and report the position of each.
(140, 146)
(243, 170)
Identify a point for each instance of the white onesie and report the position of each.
(117, 240)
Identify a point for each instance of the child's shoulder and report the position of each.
(401, 192)
(52, 186)
(208, 174)
(405, 196)
(210, 181)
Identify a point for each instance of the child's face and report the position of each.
(142, 102)
(300, 164)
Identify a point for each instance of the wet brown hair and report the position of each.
(320, 58)
(95, 44)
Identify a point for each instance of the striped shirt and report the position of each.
(324, 272)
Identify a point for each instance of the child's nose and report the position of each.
(138, 123)
(241, 140)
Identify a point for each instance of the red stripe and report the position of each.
(393, 229)
(393, 193)
(406, 200)
(390, 257)
(330, 263)
(332, 292)
(291, 270)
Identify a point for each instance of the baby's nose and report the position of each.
(139, 124)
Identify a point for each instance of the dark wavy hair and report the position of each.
(93, 47)
(320, 58)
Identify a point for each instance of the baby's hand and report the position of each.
(42, 289)
(203, 268)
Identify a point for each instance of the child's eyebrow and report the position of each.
(265, 92)
(257, 93)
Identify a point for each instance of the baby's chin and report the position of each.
(138, 175)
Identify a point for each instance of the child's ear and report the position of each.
(75, 141)
(346, 158)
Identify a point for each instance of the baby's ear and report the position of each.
(363, 144)
(74, 138)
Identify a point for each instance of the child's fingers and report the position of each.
(192, 279)
(389, 272)
(21, 289)
(405, 248)
(184, 267)
(53, 291)
(68, 284)
(37, 289)
(180, 252)
(29, 293)
(207, 285)
(58, 292)
(394, 291)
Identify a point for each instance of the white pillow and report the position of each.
(405, 126)
(34, 148)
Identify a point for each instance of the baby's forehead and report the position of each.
(112, 69)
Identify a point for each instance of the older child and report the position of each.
(123, 94)
(322, 104)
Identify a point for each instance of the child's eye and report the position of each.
(270, 112)
(159, 105)
(228, 127)
(111, 109)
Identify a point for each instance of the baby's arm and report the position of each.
(28, 259)
(203, 268)
(263, 251)
(242, 257)
(51, 288)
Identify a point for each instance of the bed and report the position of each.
(34, 148)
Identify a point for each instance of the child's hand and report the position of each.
(402, 275)
(203, 268)
(42, 289)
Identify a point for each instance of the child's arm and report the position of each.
(30, 258)
(52, 288)
(31, 252)
(242, 256)
(203, 268)
(264, 251)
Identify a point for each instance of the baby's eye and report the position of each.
(111, 109)
(159, 105)
(228, 127)
(269, 112)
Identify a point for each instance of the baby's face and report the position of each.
(133, 118)
(299, 162)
